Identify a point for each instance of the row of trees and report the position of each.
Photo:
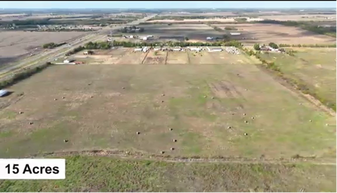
(297, 83)
(181, 44)
(271, 44)
(22, 74)
(98, 45)
(309, 45)
(91, 46)
(61, 22)
(52, 45)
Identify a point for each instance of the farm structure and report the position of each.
(214, 49)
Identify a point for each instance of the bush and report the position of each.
(257, 47)
(52, 45)
(273, 45)
(25, 73)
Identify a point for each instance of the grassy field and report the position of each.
(213, 110)
(205, 105)
(109, 174)
(314, 67)
(266, 33)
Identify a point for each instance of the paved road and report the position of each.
(50, 55)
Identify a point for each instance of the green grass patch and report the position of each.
(107, 174)
(5, 134)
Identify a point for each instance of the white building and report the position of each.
(66, 61)
(214, 49)
(235, 33)
(197, 49)
(177, 49)
(156, 48)
(145, 49)
(138, 49)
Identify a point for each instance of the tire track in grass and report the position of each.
(198, 159)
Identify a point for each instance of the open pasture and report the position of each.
(314, 67)
(192, 31)
(266, 33)
(198, 110)
(302, 17)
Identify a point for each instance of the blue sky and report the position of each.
(168, 4)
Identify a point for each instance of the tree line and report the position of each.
(309, 45)
(23, 74)
(52, 45)
(297, 83)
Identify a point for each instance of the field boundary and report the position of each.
(167, 158)
(278, 76)
(292, 88)
(145, 57)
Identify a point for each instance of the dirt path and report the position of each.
(166, 57)
(145, 57)
(167, 158)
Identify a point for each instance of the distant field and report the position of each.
(315, 67)
(266, 33)
(209, 108)
(19, 43)
(10, 17)
(192, 31)
(222, 20)
(304, 17)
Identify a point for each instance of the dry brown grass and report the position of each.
(331, 17)
(177, 58)
(18, 43)
(105, 105)
(265, 33)
(155, 57)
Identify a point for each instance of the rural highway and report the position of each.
(50, 55)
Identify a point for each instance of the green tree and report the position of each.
(257, 47)
(273, 45)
